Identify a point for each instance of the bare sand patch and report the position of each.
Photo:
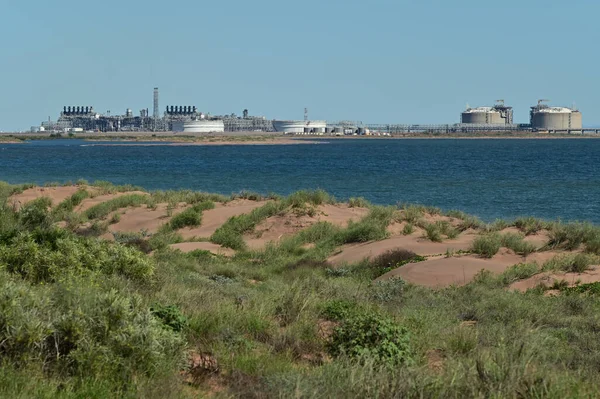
(444, 272)
(212, 219)
(547, 279)
(56, 194)
(91, 202)
(357, 252)
(134, 220)
(204, 246)
(277, 227)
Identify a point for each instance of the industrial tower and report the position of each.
(155, 115)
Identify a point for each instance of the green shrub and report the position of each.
(570, 263)
(433, 232)
(339, 310)
(170, 316)
(487, 245)
(387, 290)
(35, 214)
(408, 229)
(104, 208)
(590, 289)
(571, 236)
(47, 261)
(519, 272)
(470, 222)
(517, 244)
(412, 213)
(529, 225)
(391, 260)
(187, 218)
(359, 202)
(372, 336)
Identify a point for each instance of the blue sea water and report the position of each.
(503, 178)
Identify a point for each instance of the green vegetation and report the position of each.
(487, 245)
(191, 217)
(83, 317)
(103, 209)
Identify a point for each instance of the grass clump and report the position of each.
(572, 235)
(103, 209)
(68, 205)
(517, 244)
(359, 202)
(408, 229)
(391, 260)
(578, 263)
(487, 245)
(191, 217)
(412, 213)
(519, 272)
(372, 337)
(529, 225)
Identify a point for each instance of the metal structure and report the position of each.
(499, 114)
(546, 118)
(155, 114)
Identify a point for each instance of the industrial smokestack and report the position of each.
(156, 116)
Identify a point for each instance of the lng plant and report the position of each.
(188, 119)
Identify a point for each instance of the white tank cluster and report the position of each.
(300, 126)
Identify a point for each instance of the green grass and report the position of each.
(84, 318)
(575, 263)
(487, 245)
(101, 210)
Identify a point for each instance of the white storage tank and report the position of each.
(199, 126)
(555, 118)
(300, 126)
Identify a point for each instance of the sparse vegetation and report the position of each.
(83, 317)
(487, 245)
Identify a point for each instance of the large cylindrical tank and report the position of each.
(482, 116)
(555, 118)
(299, 126)
(201, 126)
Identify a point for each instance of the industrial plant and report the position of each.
(188, 119)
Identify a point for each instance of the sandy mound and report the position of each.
(276, 227)
(56, 194)
(90, 202)
(548, 279)
(357, 252)
(445, 271)
(134, 220)
(204, 246)
(214, 218)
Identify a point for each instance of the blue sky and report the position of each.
(381, 61)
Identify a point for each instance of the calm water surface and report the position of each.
(490, 178)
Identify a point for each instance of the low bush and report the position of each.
(487, 245)
(529, 225)
(519, 272)
(391, 260)
(339, 310)
(101, 210)
(387, 290)
(578, 263)
(517, 244)
(49, 260)
(170, 316)
(408, 229)
(372, 336)
(359, 202)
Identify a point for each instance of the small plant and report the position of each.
(391, 260)
(339, 272)
(408, 229)
(387, 290)
(519, 272)
(487, 245)
(359, 202)
(116, 218)
(372, 336)
(412, 213)
(517, 244)
(529, 225)
(433, 232)
(170, 316)
(570, 263)
(339, 310)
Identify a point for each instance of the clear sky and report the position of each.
(377, 61)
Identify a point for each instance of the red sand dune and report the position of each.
(277, 227)
(134, 220)
(444, 272)
(548, 278)
(56, 194)
(214, 218)
(357, 252)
